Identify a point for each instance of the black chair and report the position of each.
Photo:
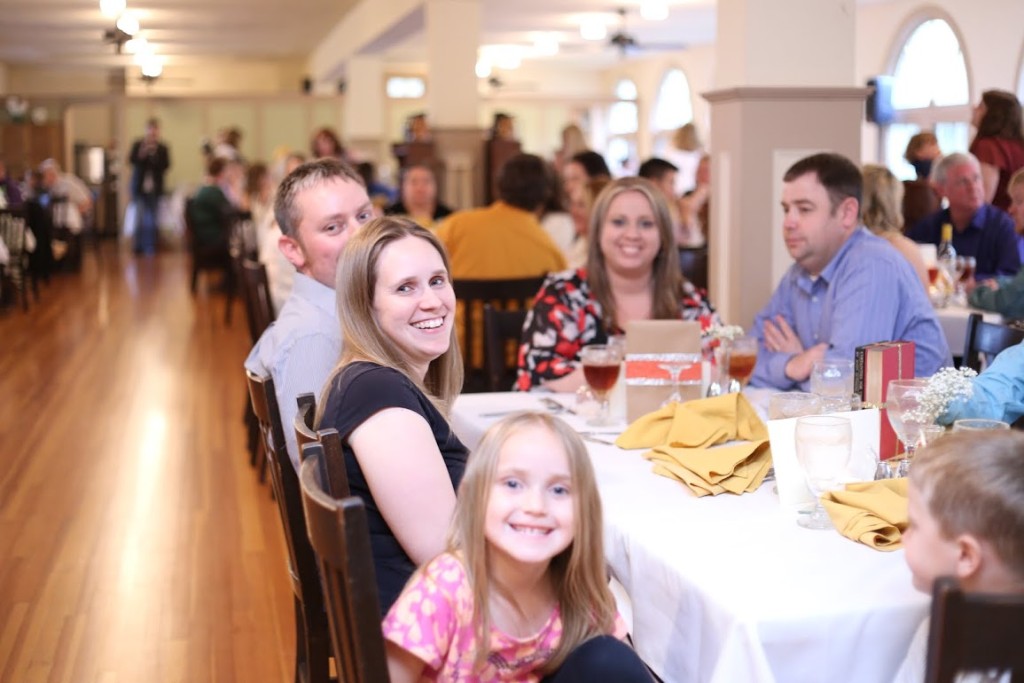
(511, 294)
(340, 536)
(256, 294)
(502, 333)
(987, 338)
(333, 462)
(210, 257)
(312, 637)
(16, 273)
(693, 261)
(973, 632)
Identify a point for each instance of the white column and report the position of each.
(453, 36)
(363, 119)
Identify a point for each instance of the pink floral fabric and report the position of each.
(433, 619)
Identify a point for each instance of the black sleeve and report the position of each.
(355, 399)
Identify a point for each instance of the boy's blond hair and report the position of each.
(973, 483)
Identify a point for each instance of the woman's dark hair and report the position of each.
(1002, 117)
(592, 162)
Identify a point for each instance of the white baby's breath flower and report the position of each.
(943, 388)
(724, 332)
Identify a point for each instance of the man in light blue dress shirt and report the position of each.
(998, 391)
(847, 287)
(319, 206)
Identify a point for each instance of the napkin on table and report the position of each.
(681, 437)
(870, 512)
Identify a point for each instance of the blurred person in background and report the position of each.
(418, 197)
(998, 144)
(880, 212)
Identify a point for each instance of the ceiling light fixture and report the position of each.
(654, 10)
(152, 68)
(593, 29)
(128, 23)
(112, 8)
(545, 44)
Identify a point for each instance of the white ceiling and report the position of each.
(69, 32)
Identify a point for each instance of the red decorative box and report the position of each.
(875, 365)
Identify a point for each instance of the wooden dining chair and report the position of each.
(256, 294)
(987, 338)
(334, 457)
(340, 536)
(693, 261)
(17, 273)
(503, 331)
(510, 294)
(973, 632)
(312, 637)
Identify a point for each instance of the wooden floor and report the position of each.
(135, 542)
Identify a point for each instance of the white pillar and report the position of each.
(363, 129)
(453, 36)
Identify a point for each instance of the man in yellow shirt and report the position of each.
(505, 240)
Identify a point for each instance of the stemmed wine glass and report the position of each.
(823, 445)
(906, 414)
(601, 363)
(674, 365)
(740, 357)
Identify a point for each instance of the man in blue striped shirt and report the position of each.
(847, 287)
(319, 206)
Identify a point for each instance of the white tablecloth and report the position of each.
(729, 588)
(953, 319)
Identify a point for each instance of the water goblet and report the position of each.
(740, 359)
(674, 364)
(601, 363)
(978, 425)
(906, 414)
(823, 445)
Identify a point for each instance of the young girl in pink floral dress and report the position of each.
(521, 594)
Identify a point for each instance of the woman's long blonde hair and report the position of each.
(363, 340)
(577, 574)
(882, 208)
(666, 276)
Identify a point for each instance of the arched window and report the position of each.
(623, 122)
(929, 91)
(673, 108)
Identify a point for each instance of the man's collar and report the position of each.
(319, 294)
(829, 270)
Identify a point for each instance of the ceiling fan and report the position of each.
(626, 43)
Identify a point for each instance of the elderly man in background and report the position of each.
(319, 206)
(979, 229)
(847, 287)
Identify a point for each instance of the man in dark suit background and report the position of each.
(150, 160)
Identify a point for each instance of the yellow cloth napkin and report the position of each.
(681, 437)
(870, 512)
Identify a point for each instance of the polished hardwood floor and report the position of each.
(136, 543)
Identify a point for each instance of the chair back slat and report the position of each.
(502, 333)
(987, 338)
(333, 463)
(973, 632)
(311, 622)
(256, 294)
(340, 536)
(510, 294)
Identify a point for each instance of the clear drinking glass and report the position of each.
(905, 412)
(793, 404)
(832, 379)
(601, 364)
(674, 365)
(740, 358)
(823, 445)
(978, 425)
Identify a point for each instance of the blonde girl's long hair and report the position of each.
(363, 339)
(666, 277)
(577, 574)
(882, 202)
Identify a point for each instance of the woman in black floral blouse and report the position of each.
(632, 273)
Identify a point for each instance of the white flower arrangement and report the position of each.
(724, 332)
(943, 388)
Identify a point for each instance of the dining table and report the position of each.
(730, 588)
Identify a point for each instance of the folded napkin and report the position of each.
(870, 512)
(682, 437)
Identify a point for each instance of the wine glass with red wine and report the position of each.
(601, 363)
(741, 357)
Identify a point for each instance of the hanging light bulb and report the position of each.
(593, 29)
(112, 8)
(483, 67)
(654, 10)
(152, 67)
(138, 46)
(545, 44)
(128, 23)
